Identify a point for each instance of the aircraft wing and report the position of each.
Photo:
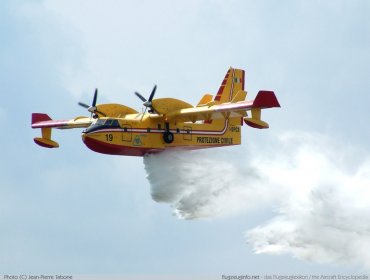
(44, 122)
(40, 120)
(263, 100)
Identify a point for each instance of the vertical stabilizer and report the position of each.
(232, 83)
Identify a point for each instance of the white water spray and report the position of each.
(320, 190)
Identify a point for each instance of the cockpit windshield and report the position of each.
(111, 122)
(100, 122)
(107, 123)
(103, 123)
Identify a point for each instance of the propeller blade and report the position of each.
(84, 105)
(95, 98)
(152, 94)
(92, 109)
(147, 103)
(140, 96)
(142, 116)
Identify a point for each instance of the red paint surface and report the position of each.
(111, 149)
(266, 99)
(39, 117)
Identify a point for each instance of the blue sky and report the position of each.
(73, 211)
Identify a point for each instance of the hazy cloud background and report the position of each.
(71, 210)
(323, 218)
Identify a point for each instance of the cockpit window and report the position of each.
(107, 122)
(103, 123)
(113, 123)
(100, 122)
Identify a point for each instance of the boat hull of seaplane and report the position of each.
(129, 141)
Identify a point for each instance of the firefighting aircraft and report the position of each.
(166, 123)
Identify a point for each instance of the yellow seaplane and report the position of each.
(166, 123)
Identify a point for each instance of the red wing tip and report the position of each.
(266, 99)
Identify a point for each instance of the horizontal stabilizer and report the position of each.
(40, 120)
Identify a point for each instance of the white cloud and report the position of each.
(325, 217)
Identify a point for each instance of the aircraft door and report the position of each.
(127, 133)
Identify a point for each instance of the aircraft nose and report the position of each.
(85, 136)
(88, 140)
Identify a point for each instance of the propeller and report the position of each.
(92, 109)
(147, 103)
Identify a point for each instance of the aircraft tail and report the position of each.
(233, 82)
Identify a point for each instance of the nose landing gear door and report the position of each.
(126, 133)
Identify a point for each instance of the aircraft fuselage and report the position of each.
(134, 136)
